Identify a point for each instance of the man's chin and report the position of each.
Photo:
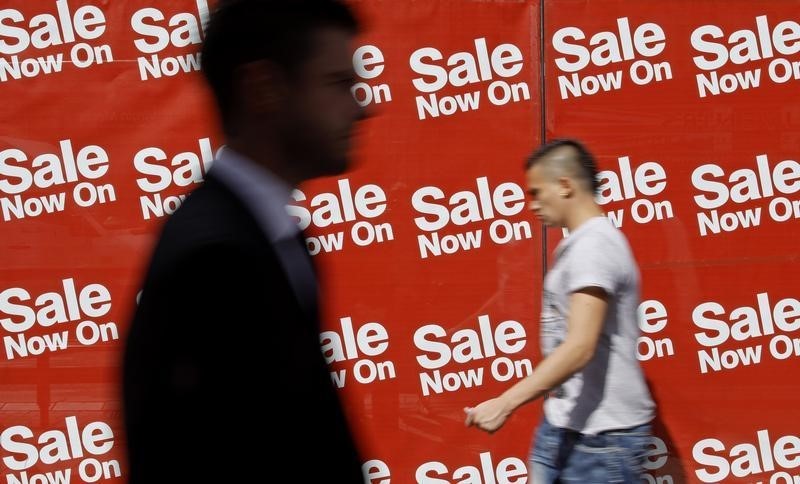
(335, 166)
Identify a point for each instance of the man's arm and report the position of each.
(587, 310)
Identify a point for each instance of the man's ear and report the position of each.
(261, 87)
(566, 187)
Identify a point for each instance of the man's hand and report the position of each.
(489, 415)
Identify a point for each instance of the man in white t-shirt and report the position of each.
(598, 407)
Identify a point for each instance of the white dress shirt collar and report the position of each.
(262, 192)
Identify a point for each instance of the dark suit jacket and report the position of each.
(222, 363)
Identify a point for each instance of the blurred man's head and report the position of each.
(561, 178)
(281, 73)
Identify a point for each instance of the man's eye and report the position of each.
(346, 81)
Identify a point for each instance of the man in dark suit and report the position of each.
(223, 360)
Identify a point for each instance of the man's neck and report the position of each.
(581, 214)
(266, 155)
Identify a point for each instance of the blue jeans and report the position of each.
(563, 455)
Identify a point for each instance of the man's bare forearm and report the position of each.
(566, 360)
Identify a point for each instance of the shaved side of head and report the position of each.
(566, 158)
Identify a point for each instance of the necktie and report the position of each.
(300, 271)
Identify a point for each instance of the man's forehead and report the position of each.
(535, 175)
(332, 48)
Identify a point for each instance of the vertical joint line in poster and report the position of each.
(542, 121)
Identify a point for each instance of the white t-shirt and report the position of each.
(610, 391)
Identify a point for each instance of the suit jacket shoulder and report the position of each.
(218, 329)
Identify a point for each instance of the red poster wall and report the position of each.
(458, 262)
(430, 264)
(694, 120)
(424, 245)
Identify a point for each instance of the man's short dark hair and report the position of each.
(280, 31)
(584, 169)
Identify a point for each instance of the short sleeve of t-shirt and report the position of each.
(593, 263)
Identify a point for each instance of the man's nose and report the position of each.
(359, 112)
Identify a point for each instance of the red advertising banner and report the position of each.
(106, 129)
(690, 108)
(426, 253)
(430, 271)
(430, 263)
